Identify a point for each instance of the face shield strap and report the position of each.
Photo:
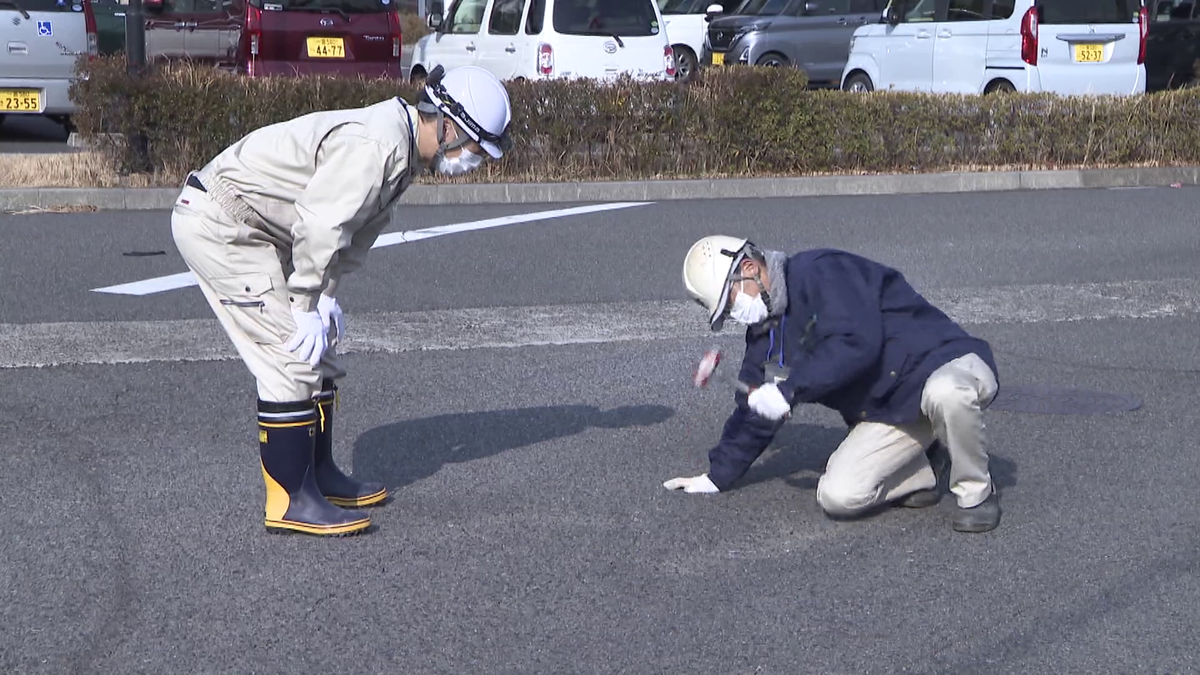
(443, 146)
(433, 83)
(748, 251)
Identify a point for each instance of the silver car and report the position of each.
(813, 35)
(43, 40)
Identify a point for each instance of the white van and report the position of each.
(542, 39)
(686, 22)
(981, 46)
(44, 40)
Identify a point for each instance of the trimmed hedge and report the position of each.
(737, 121)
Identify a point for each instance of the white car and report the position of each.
(543, 39)
(686, 22)
(981, 46)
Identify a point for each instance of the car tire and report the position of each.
(772, 60)
(1001, 87)
(685, 63)
(859, 83)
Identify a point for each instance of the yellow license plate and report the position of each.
(326, 48)
(718, 59)
(20, 100)
(1089, 53)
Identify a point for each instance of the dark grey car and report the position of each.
(812, 35)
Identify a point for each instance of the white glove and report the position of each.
(769, 402)
(309, 337)
(696, 484)
(331, 311)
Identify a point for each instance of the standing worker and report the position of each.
(830, 327)
(269, 228)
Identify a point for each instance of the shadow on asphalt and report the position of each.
(405, 452)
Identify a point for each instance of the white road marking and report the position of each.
(185, 279)
(107, 343)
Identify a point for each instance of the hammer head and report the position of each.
(707, 367)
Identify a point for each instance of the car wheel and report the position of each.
(1000, 87)
(772, 60)
(859, 83)
(685, 64)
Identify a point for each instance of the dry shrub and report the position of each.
(736, 121)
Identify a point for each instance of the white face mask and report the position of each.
(466, 161)
(748, 310)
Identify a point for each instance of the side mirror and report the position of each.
(434, 21)
(712, 12)
(891, 15)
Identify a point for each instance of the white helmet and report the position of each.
(707, 273)
(476, 100)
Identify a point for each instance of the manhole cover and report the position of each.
(1052, 401)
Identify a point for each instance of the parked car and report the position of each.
(44, 40)
(686, 23)
(342, 37)
(811, 35)
(260, 37)
(975, 46)
(539, 39)
(1172, 44)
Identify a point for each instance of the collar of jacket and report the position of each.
(777, 273)
(414, 156)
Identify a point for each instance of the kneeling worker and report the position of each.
(269, 228)
(830, 327)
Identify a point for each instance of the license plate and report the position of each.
(20, 100)
(1089, 53)
(326, 48)
(718, 59)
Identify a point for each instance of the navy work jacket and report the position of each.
(856, 337)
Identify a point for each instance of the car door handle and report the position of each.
(945, 33)
(924, 35)
(471, 47)
(842, 21)
(510, 49)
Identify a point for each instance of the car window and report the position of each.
(966, 10)
(763, 7)
(536, 17)
(1088, 11)
(678, 6)
(865, 6)
(1173, 10)
(1003, 9)
(506, 17)
(921, 11)
(629, 18)
(824, 7)
(467, 17)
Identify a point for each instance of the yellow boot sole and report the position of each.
(340, 530)
(356, 502)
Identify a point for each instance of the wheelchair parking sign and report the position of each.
(45, 29)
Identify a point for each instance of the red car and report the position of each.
(279, 37)
(285, 37)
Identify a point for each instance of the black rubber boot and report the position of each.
(923, 499)
(286, 436)
(982, 518)
(338, 488)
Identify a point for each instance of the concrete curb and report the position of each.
(137, 199)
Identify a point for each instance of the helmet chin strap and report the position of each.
(443, 146)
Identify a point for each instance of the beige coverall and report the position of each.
(286, 212)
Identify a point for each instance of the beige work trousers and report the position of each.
(243, 276)
(878, 463)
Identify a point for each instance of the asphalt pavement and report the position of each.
(528, 529)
